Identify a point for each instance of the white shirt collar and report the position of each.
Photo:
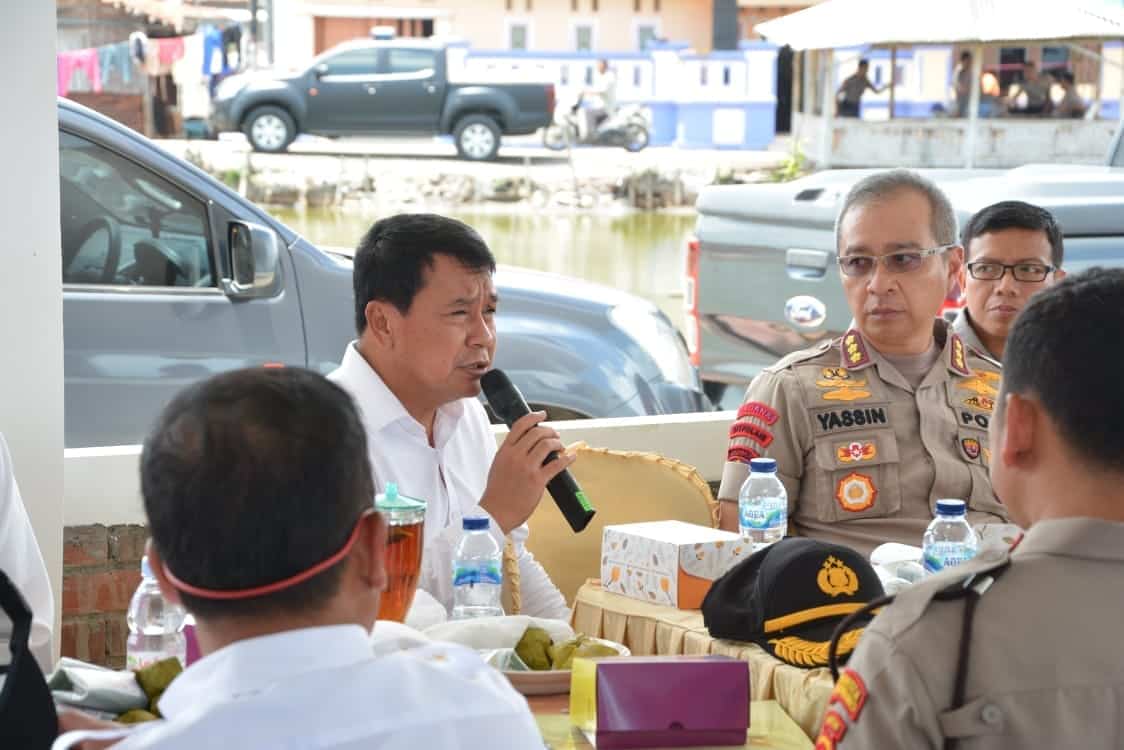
(381, 408)
(253, 665)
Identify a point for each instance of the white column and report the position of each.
(31, 380)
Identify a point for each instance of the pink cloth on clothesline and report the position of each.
(169, 50)
(85, 60)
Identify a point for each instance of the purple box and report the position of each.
(661, 701)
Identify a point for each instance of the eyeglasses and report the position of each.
(903, 262)
(986, 270)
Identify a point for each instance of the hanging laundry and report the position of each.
(85, 60)
(190, 76)
(138, 47)
(231, 47)
(170, 50)
(115, 57)
(161, 54)
(214, 61)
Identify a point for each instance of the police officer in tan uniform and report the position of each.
(870, 429)
(1028, 654)
(1014, 250)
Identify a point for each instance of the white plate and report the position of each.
(553, 681)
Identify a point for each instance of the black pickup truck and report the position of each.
(374, 87)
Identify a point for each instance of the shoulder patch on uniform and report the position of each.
(957, 357)
(751, 431)
(832, 731)
(853, 351)
(741, 454)
(849, 694)
(764, 412)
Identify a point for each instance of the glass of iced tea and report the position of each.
(405, 519)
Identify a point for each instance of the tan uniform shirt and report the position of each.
(1046, 666)
(864, 456)
(963, 327)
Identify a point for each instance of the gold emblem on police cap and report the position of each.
(835, 578)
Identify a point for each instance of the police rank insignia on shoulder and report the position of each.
(854, 350)
(841, 386)
(957, 357)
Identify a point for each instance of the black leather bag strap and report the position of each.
(27, 711)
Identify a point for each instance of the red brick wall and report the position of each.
(101, 570)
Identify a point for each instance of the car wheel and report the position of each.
(270, 129)
(477, 138)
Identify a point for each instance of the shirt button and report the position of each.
(991, 715)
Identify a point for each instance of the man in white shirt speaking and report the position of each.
(258, 498)
(425, 307)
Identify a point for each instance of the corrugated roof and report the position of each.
(856, 23)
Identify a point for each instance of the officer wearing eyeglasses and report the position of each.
(871, 428)
(1014, 250)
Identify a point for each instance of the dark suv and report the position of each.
(368, 87)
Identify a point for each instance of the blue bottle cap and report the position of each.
(146, 568)
(951, 508)
(475, 524)
(763, 465)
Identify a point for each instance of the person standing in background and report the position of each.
(851, 91)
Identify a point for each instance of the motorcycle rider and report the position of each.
(602, 103)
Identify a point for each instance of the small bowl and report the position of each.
(552, 681)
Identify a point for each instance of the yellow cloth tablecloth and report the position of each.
(651, 629)
(770, 728)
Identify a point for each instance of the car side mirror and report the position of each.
(320, 70)
(255, 260)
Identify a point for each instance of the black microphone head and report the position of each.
(503, 396)
(495, 381)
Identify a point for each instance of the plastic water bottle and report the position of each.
(155, 625)
(949, 540)
(477, 575)
(763, 504)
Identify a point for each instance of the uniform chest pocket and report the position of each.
(857, 476)
(972, 445)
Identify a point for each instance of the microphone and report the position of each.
(508, 404)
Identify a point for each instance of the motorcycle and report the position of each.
(573, 125)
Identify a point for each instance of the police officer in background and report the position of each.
(870, 429)
(1013, 250)
(1033, 659)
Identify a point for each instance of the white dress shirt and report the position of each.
(22, 562)
(320, 688)
(450, 476)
